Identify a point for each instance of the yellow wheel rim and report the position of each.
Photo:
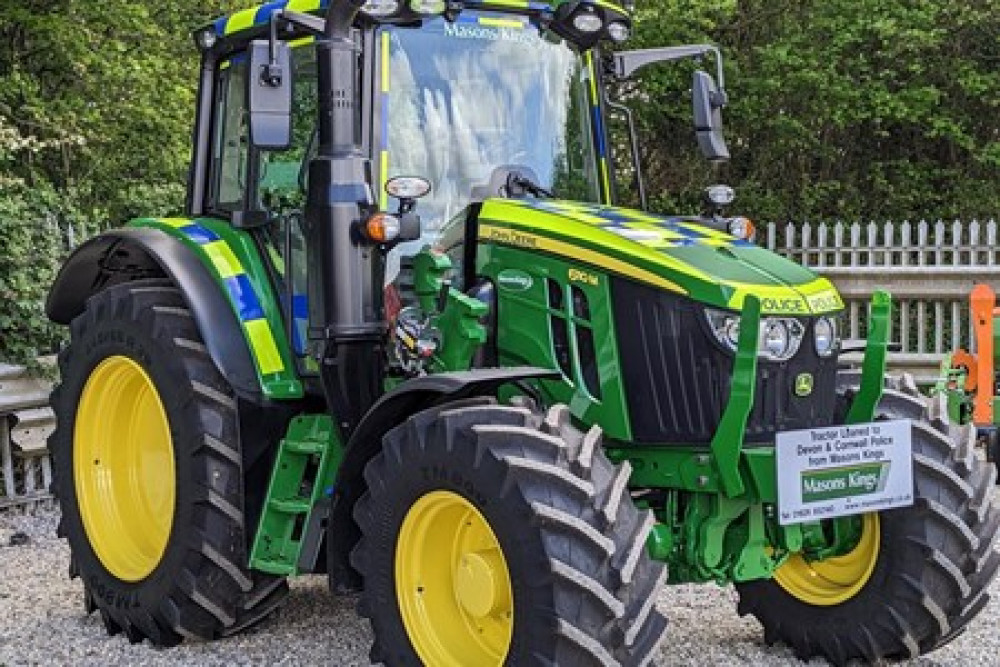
(834, 580)
(452, 584)
(123, 469)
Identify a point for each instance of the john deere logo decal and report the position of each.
(804, 385)
(517, 281)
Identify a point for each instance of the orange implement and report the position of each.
(983, 304)
(967, 361)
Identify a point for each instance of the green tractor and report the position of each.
(502, 409)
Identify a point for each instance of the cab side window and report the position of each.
(231, 141)
(282, 182)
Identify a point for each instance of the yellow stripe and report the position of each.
(265, 350)
(595, 101)
(501, 23)
(304, 41)
(606, 180)
(241, 21)
(303, 5)
(175, 223)
(385, 62)
(503, 209)
(593, 78)
(223, 259)
(383, 195)
(572, 252)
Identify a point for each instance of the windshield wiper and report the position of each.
(518, 184)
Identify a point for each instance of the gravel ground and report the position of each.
(42, 622)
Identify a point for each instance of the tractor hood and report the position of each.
(672, 253)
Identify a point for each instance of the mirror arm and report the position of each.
(311, 24)
(627, 63)
(640, 182)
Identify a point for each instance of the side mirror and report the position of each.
(269, 95)
(708, 103)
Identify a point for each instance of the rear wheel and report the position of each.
(915, 576)
(495, 536)
(148, 473)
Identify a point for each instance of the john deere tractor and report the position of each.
(403, 336)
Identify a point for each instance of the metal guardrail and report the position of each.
(26, 421)
(929, 268)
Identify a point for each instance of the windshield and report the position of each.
(462, 99)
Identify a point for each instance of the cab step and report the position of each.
(297, 505)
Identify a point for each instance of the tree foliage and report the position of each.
(839, 109)
(96, 100)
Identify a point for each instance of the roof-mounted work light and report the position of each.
(587, 22)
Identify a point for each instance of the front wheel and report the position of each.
(494, 536)
(915, 577)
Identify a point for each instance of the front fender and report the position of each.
(393, 409)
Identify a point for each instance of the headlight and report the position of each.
(726, 327)
(776, 338)
(779, 339)
(825, 335)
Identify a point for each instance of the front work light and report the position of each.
(428, 7)
(380, 8)
(619, 32)
(206, 38)
(586, 22)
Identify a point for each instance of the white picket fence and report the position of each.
(929, 268)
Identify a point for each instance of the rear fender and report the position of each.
(222, 281)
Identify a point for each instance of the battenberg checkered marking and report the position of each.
(233, 276)
(642, 246)
(654, 231)
(260, 15)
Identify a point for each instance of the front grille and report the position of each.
(677, 376)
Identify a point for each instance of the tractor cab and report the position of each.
(467, 99)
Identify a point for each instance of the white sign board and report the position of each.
(843, 470)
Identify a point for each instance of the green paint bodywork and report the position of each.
(676, 254)
(718, 519)
(282, 385)
(734, 420)
(304, 473)
(873, 368)
(458, 322)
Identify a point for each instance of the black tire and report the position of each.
(201, 587)
(584, 588)
(935, 562)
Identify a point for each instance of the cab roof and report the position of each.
(259, 16)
